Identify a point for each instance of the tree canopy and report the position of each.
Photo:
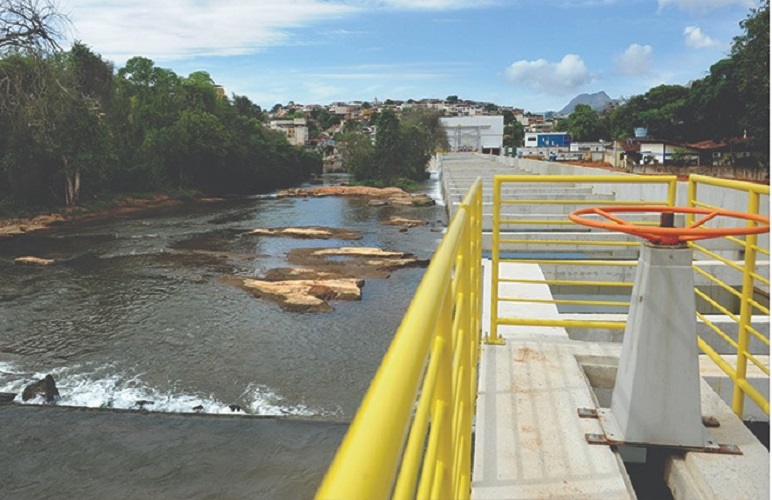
(70, 126)
(401, 149)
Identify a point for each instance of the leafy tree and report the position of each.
(452, 99)
(388, 147)
(428, 119)
(514, 134)
(715, 103)
(663, 110)
(508, 115)
(491, 108)
(583, 124)
(750, 51)
(356, 150)
(245, 107)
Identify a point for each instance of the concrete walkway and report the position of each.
(529, 441)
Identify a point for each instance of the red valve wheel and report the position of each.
(670, 235)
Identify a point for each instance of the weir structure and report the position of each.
(516, 331)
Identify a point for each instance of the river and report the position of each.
(136, 310)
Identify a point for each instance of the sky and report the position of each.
(531, 54)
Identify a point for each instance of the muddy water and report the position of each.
(135, 310)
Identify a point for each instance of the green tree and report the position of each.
(388, 146)
(750, 51)
(245, 107)
(357, 153)
(583, 124)
(514, 134)
(664, 110)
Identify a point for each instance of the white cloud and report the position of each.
(695, 38)
(703, 6)
(637, 60)
(558, 78)
(426, 4)
(175, 29)
(184, 28)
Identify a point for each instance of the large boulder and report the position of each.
(384, 196)
(34, 261)
(21, 226)
(354, 261)
(305, 295)
(401, 221)
(308, 232)
(45, 387)
(7, 397)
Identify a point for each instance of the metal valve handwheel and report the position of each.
(670, 235)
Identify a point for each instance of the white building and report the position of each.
(475, 133)
(662, 151)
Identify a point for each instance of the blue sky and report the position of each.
(532, 54)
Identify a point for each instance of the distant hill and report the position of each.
(597, 101)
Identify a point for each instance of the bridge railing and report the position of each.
(412, 435)
(729, 282)
(752, 294)
(565, 245)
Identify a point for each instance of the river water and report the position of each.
(136, 310)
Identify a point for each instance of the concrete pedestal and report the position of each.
(656, 398)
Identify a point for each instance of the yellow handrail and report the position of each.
(750, 249)
(553, 242)
(428, 375)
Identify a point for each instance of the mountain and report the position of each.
(597, 101)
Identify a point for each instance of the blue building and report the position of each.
(547, 140)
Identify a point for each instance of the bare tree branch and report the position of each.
(31, 26)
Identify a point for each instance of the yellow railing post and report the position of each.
(746, 309)
(493, 333)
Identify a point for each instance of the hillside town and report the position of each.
(512, 131)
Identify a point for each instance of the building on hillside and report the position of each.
(296, 130)
(735, 151)
(663, 152)
(548, 140)
(483, 133)
(552, 145)
(589, 151)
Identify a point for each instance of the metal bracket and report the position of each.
(719, 449)
(609, 439)
(587, 412)
(707, 420)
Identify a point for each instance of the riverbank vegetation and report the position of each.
(72, 129)
(400, 151)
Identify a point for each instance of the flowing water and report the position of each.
(136, 310)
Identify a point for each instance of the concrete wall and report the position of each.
(720, 197)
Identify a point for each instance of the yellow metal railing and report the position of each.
(554, 248)
(753, 284)
(549, 249)
(412, 435)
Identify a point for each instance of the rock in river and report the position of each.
(45, 387)
(308, 232)
(305, 295)
(355, 261)
(34, 261)
(389, 195)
